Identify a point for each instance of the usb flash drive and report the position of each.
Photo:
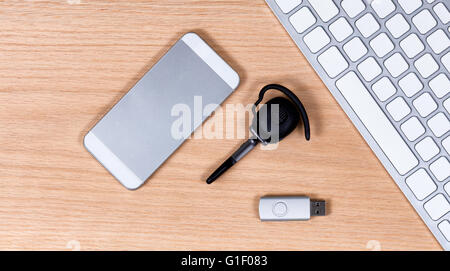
(289, 208)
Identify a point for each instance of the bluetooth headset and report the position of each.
(288, 111)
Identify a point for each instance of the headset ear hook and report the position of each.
(293, 98)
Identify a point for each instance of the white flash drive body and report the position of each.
(289, 208)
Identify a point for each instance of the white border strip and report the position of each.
(211, 58)
(111, 162)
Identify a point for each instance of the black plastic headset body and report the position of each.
(292, 97)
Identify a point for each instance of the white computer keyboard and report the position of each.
(387, 63)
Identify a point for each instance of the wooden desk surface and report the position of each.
(63, 66)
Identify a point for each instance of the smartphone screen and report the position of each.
(135, 137)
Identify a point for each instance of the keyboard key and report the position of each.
(446, 61)
(367, 25)
(440, 85)
(439, 124)
(427, 149)
(288, 5)
(383, 7)
(355, 49)
(425, 105)
(316, 39)
(412, 129)
(444, 227)
(369, 69)
(332, 62)
(398, 108)
(397, 25)
(410, 84)
(438, 41)
(447, 189)
(341, 29)
(396, 65)
(424, 21)
(437, 207)
(384, 89)
(382, 45)
(409, 6)
(412, 45)
(446, 144)
(353, 7)
(325, 8)
(426, 65)
(442, 12)
(376, 123)
(447, 105)
(421, 184)
(302, 20)
(441, 169)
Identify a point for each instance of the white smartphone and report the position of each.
(134, 138)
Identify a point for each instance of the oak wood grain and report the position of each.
(63, 66)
